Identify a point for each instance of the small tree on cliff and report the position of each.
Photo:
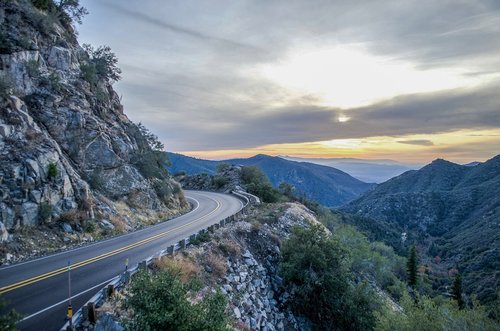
(456, 291)
(412, 266)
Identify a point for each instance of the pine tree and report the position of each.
(456, 289)
(412, 265)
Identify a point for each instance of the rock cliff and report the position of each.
(70, 159)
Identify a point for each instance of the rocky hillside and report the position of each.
(242, 261)
(329, 186)
(453, 211)
(70, 160)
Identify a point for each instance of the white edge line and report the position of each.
(95, 286)
(96, 243)
(66, 300)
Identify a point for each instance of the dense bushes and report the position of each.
(373, 259)
(424, 313)
(8, 320)
(161, 301)
(257, 183)
(102, 64)
(316, 270)
(67, 11)
(150, 158)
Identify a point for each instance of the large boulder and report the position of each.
(29, 213)
(4, 235)
(6, 216)
(60, 58)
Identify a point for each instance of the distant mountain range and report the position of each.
(454, 209)
(326, 185)
(370, 171)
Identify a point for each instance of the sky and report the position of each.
(405, 80)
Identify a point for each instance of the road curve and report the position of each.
(39, 288)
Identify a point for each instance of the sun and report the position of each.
(343, 118)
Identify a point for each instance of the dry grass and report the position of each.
(229, 247)
(86, 204)
(275, 239)
(119, 223)
(185, 267)
(239, 325)
(217, 264)
(73, 216)
(255, 226)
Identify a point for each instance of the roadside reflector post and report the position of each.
(126, 277)
(70, 308)
(70, 312)
(142, 265)
(171, 250)
(85, 313)
(91, 310)
(182, 243)
(111, 290)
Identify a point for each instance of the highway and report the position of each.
(39, 288)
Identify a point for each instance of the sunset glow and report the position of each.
(406, 148)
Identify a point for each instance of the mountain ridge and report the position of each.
(451, 209)
(327, 185)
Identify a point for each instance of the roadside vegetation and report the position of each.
(168, 299)
(335, 281)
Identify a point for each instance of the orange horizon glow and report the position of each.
(443, 145)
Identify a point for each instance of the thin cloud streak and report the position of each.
(181, 30)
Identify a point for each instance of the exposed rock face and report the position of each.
(65, 143)
(226, 180)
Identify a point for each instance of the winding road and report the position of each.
(39, 288)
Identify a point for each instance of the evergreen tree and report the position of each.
(456, 289)
(412, 265)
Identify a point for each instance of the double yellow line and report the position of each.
(59, 271)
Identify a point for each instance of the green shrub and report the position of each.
(103, 62)
(222, 167)
(375, 259)
(6, 85)
(315, 268)
(89, 73)
(52, 170)
(44, 211)
(33, 68)
(8, 320)
(90, 226)
(43, 4)
(151, 164)
(258, 184)
(424, 313)
(220, 181)
(159, 301)
(101, 95)
(53, 82)
(201, 238)
(163, 189)
(67, 11)
(95, 179)
(6, 46)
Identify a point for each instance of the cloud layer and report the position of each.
(189, 75)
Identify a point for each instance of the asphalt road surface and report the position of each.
(39, 288)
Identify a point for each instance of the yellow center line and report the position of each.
(80, 264)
